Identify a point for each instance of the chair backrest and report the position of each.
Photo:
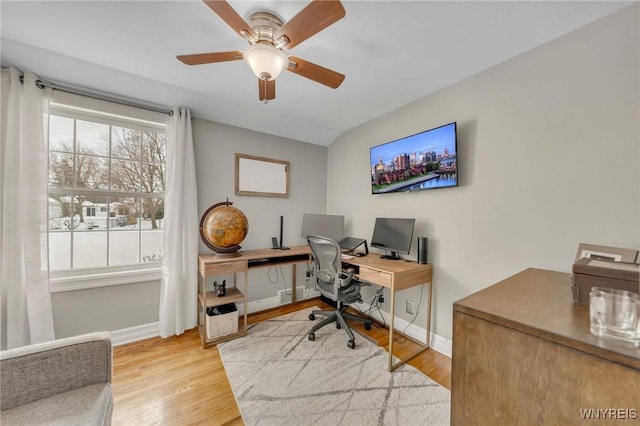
(327, 268)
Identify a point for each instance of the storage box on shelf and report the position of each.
(222, 320)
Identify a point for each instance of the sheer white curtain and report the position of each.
(26, 315)
(179, 287)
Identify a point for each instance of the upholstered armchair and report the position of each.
(62, 382)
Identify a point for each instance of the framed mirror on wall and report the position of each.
(261, 176)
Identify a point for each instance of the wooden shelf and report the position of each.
(233, 295)
(209, 299)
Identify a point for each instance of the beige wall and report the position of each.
(549, 155)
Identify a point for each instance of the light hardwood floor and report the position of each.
(174, 381)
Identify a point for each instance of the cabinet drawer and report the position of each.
(226, 267)
(376, 277)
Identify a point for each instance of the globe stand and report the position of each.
(227, 252)
(223, 228)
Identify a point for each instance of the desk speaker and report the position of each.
(423, 250)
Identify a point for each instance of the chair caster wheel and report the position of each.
(312, 317)
(351, 344)
(338, 325)
(367, 326)
(312, 336)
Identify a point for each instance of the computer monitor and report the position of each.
(394, 235)
(323, 225)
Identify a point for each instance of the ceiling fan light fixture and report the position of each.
(266, 61)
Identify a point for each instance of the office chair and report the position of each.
(333, 283)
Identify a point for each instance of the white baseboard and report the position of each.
(146, 331)
(134, 334)
(440, 344)
(285, 296)
(260, 305)
(437, 343)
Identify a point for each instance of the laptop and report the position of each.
(350, 243)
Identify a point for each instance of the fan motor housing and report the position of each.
(265, 25)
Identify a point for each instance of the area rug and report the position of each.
(279, 377)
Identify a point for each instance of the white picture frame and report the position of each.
(261, 176)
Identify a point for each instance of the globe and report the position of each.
(223, 227)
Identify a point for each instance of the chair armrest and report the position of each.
(33, 372)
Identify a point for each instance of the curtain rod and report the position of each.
(99, 95)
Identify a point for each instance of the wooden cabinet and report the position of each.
(523, 355)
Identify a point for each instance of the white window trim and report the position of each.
(103, 277)
(94, 109)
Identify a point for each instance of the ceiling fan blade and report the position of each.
(231, 17)
(209, 58)
(266, 89)
(315, 72)
(315, 17)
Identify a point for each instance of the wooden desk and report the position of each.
(395, 275)
(210, 265)
(523, 354)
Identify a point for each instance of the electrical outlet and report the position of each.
(411, 307)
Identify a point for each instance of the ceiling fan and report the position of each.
(268, 36)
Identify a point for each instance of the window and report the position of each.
(106, 190)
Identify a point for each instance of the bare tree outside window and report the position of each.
(105, 178)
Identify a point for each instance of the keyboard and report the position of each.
(346, 256)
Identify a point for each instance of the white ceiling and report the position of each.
(392, 53)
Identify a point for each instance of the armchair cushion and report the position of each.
(62, 379)
(91, 405)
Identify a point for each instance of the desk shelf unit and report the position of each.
(210, 265)
(209, 299)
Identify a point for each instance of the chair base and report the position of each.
(340, 317)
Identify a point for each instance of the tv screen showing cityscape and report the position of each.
(426, 160)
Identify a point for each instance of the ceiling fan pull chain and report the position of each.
(265, 79)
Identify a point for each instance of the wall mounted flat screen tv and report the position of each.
(426, 160)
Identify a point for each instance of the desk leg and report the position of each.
(246, 296)
(295, 285)
(423, 347)
(202, 310)
(391, 327)
(429, 316)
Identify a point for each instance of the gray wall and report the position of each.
(105, 308)
(215, 148)
(548, 150)
(128, 305)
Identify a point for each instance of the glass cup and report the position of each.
(615, 314)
